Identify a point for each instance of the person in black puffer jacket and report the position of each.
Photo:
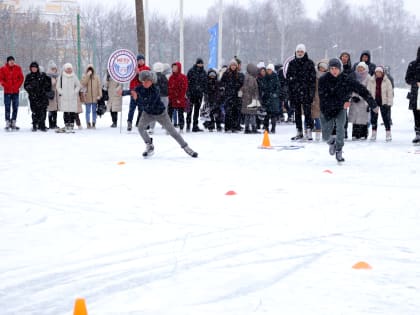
(147, 96)
(335, 89)
(301, 78)
(412, 77)
(37, 84)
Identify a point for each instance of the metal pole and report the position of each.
(79, 58)
(219, 44)
(181, 32)
(146, 29)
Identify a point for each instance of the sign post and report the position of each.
(122, 66)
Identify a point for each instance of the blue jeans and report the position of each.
(132, 110)
(11, 99)
(91, 107)
(328, 126)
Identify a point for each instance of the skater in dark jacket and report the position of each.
(148, 98)
(335, 90)
(37, 84)
(412, 77)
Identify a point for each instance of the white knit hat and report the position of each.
(270, 67)
(301, 47)
(260, 65)
(67, 66)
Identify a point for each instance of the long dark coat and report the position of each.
(412, 77)
(37, 84)
(301, 78)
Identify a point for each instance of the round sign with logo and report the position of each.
(122, 65)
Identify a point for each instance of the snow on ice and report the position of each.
(159, 236)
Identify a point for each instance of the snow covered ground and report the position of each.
(159, 236)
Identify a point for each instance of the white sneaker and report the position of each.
(317, 135)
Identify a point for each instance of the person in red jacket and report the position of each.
(11, 78)
(177, 89)
(135, 82)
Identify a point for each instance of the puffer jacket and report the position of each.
(387, 93)
(11, 78)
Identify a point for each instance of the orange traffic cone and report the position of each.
(266, 141)
(362, 265)
(231, 193)
(80, 307)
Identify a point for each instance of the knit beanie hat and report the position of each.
(260, 65)
(301, 47)
(140, 57)
(199, 61)
(335, 63)
(270, 67)
(67, 66)
(233, 62)
(380, 69)
(362, 64)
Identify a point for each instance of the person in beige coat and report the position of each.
(68, 87)
(92, 84)
(250, 99)
(381, 89)
(321, 69)
(52, 72)
(114, 103)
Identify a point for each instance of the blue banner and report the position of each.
(213, 43)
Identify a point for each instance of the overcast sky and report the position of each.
(199, 7)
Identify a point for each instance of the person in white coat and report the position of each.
(68, 87)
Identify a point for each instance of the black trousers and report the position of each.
(298, 115)
(114, 117)
(195, 102)
(416, 114)
(69, 118)
(39, 115)
(52, 119)
(359, 131)
(386, 116)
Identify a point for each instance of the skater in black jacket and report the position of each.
(335, 89)
(148, 99)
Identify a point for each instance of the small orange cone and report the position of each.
(230, 193)
(266, 141)
(362, 265)
(328, 171)
(80, 307)
(121, 163)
